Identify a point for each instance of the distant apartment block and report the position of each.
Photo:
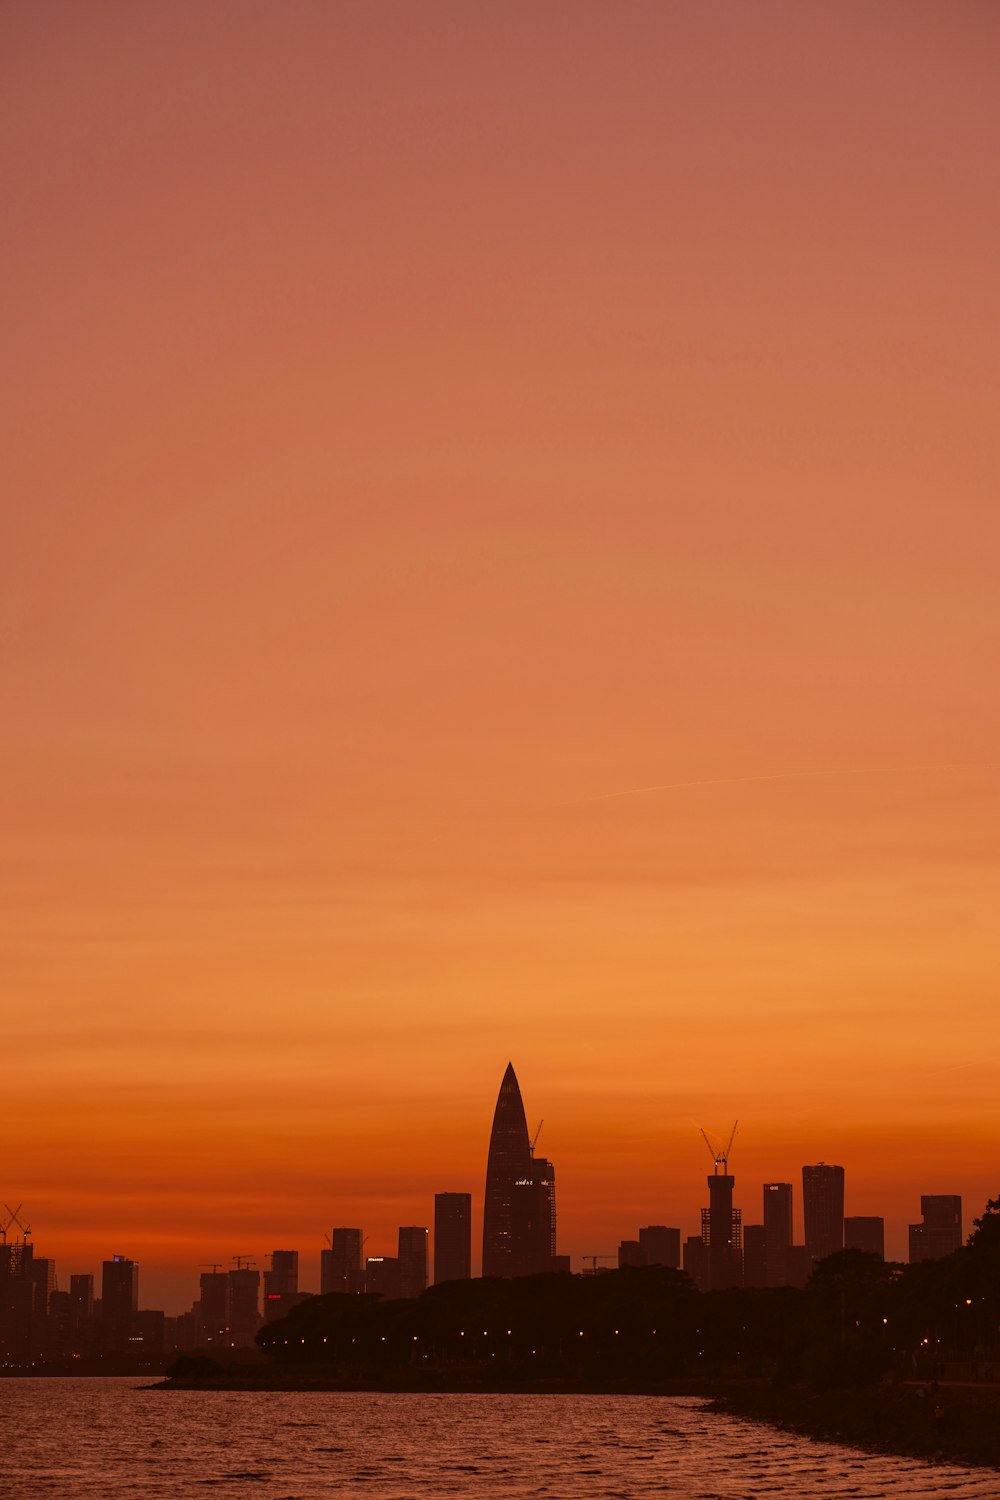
(864, 1232)
(941, 1231)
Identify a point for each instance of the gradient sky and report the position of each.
(424, 425)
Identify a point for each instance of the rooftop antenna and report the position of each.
(720, 1154)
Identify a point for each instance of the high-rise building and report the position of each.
(43, 1274)
(941, 1231)
(661, 1245)
(754, 1255)
(382, 1276)
(81, 1307)
(412, 1260)
(452, 1236)
(800, 1265)
(519, 1206)
(630, 1253)
(340, 1266)
(281, 1285)
(212, 1308)
(696, 1260)
(865, 1232)
(17, 1301)
(119, 1301)
(283, 1276)
(244, 1306)
(722, 1233)
(533, 1219)
(823, 1209)
(777, 1231)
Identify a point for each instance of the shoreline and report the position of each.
(958, 1424)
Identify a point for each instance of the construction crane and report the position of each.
(593, 1262)
(329, 1241)
(244, 1262)
(214, 1267)
(720, 1154)
(12, 1218)
(534, 1139)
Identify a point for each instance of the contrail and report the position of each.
(676, 786)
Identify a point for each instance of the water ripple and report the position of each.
(107, 1440)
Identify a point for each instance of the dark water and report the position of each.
(106, 1438)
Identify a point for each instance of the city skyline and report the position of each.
(803, 1219)
(498, 558)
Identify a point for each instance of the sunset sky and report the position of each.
(499, 560)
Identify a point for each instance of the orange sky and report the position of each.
(422, 425)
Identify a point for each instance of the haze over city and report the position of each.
(499, 560)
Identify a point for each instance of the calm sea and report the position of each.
(108, 1439)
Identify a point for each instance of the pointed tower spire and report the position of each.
(509, 1159)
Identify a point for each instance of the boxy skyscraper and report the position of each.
(452, 1237)
(823, 1209)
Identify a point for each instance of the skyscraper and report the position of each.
(941, 1231)
(452, 1236)
(519, 1208)
(244, 1306)
(660, 1245)
(823, 1209)
(722, 1232)
(382, 1276)
(212, 1308)
(119, 1301)
(754, 1255)
(412, 1260)
(777, 1231)
(340, 1266)
(865, 1232)
(281, 1284)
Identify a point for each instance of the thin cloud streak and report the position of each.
(675, 786)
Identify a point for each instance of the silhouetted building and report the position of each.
(630, 1253)
(754, 1255)
(799, 1265)
(147, 1336)
(721, 1231)
(244, 1306)
(412, 1260)
(281, 1285)
(696, 1261)
(81, 1310)
(43, 1274)
(777, 1231)
(382, 1276)
(941, 1231)
(212, 1310)
(58, 1339)
(823, 1209)
(519, 1207)
(119, 1302)
(533, 1220)
(283, 1276)
(452, 1237)
(341, 1265)
(17, 1302)
(661, 1245)
(864, 1232)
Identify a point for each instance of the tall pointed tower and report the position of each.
(509, 1161)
